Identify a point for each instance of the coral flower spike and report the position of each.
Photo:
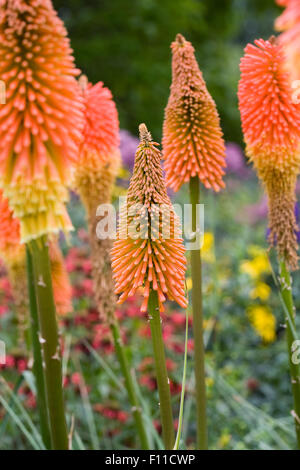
(62, 288)
(99, 156)
(10, 247)
(101, 131)
(192, 137)
(13, 253)
(271, 126)
(289, 24)
(152, 256)
(40, 124)
(94, 179)
(290, 16)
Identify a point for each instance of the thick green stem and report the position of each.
(130, 386)
(287, 295)
(199, 351)
(37, 355)
(50, 343)
(161, 372)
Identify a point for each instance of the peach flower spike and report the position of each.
(13, 253)
(62, 288)
(271, 127)
(94, 178)
(101, 129)
(41, 121)
(193, 142)
(149, 252)
(289, 25)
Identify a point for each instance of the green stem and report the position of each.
(50, 342)
(161, 372)
(130, 386)
(199, 351)
(37, 355)
(287, 295)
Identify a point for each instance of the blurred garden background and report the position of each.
(126, 44)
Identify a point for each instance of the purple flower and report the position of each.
(235, 160)
(259, 211)
(128, 146)
(297, 214)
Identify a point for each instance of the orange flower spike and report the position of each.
(289, 24)
(94, 179)
(13, 253)
(41, 122)
(99, 155)
(62, 288)
(99, 151)
(290, 16)
(101, 130)
(10, 247)
(148, 253)
(271, 126)
(270, 120)
(193, 142)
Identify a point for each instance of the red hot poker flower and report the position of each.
(94, 179)
(101, 130)
(10, 246)
(270, 120)
(192, 137)
(13, 253)
(271, 126)
(62, 288)
(290, 16)
(289, 23)
(148, 252)
(41, 122)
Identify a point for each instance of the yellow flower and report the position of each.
(209, 324)
(224, 440)
(209, 381)
(263, 321)
(189, 283)
(258, 265)
(248, 267)
(123, 173)
(207, 250)
(261, 291)
(255, 250)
